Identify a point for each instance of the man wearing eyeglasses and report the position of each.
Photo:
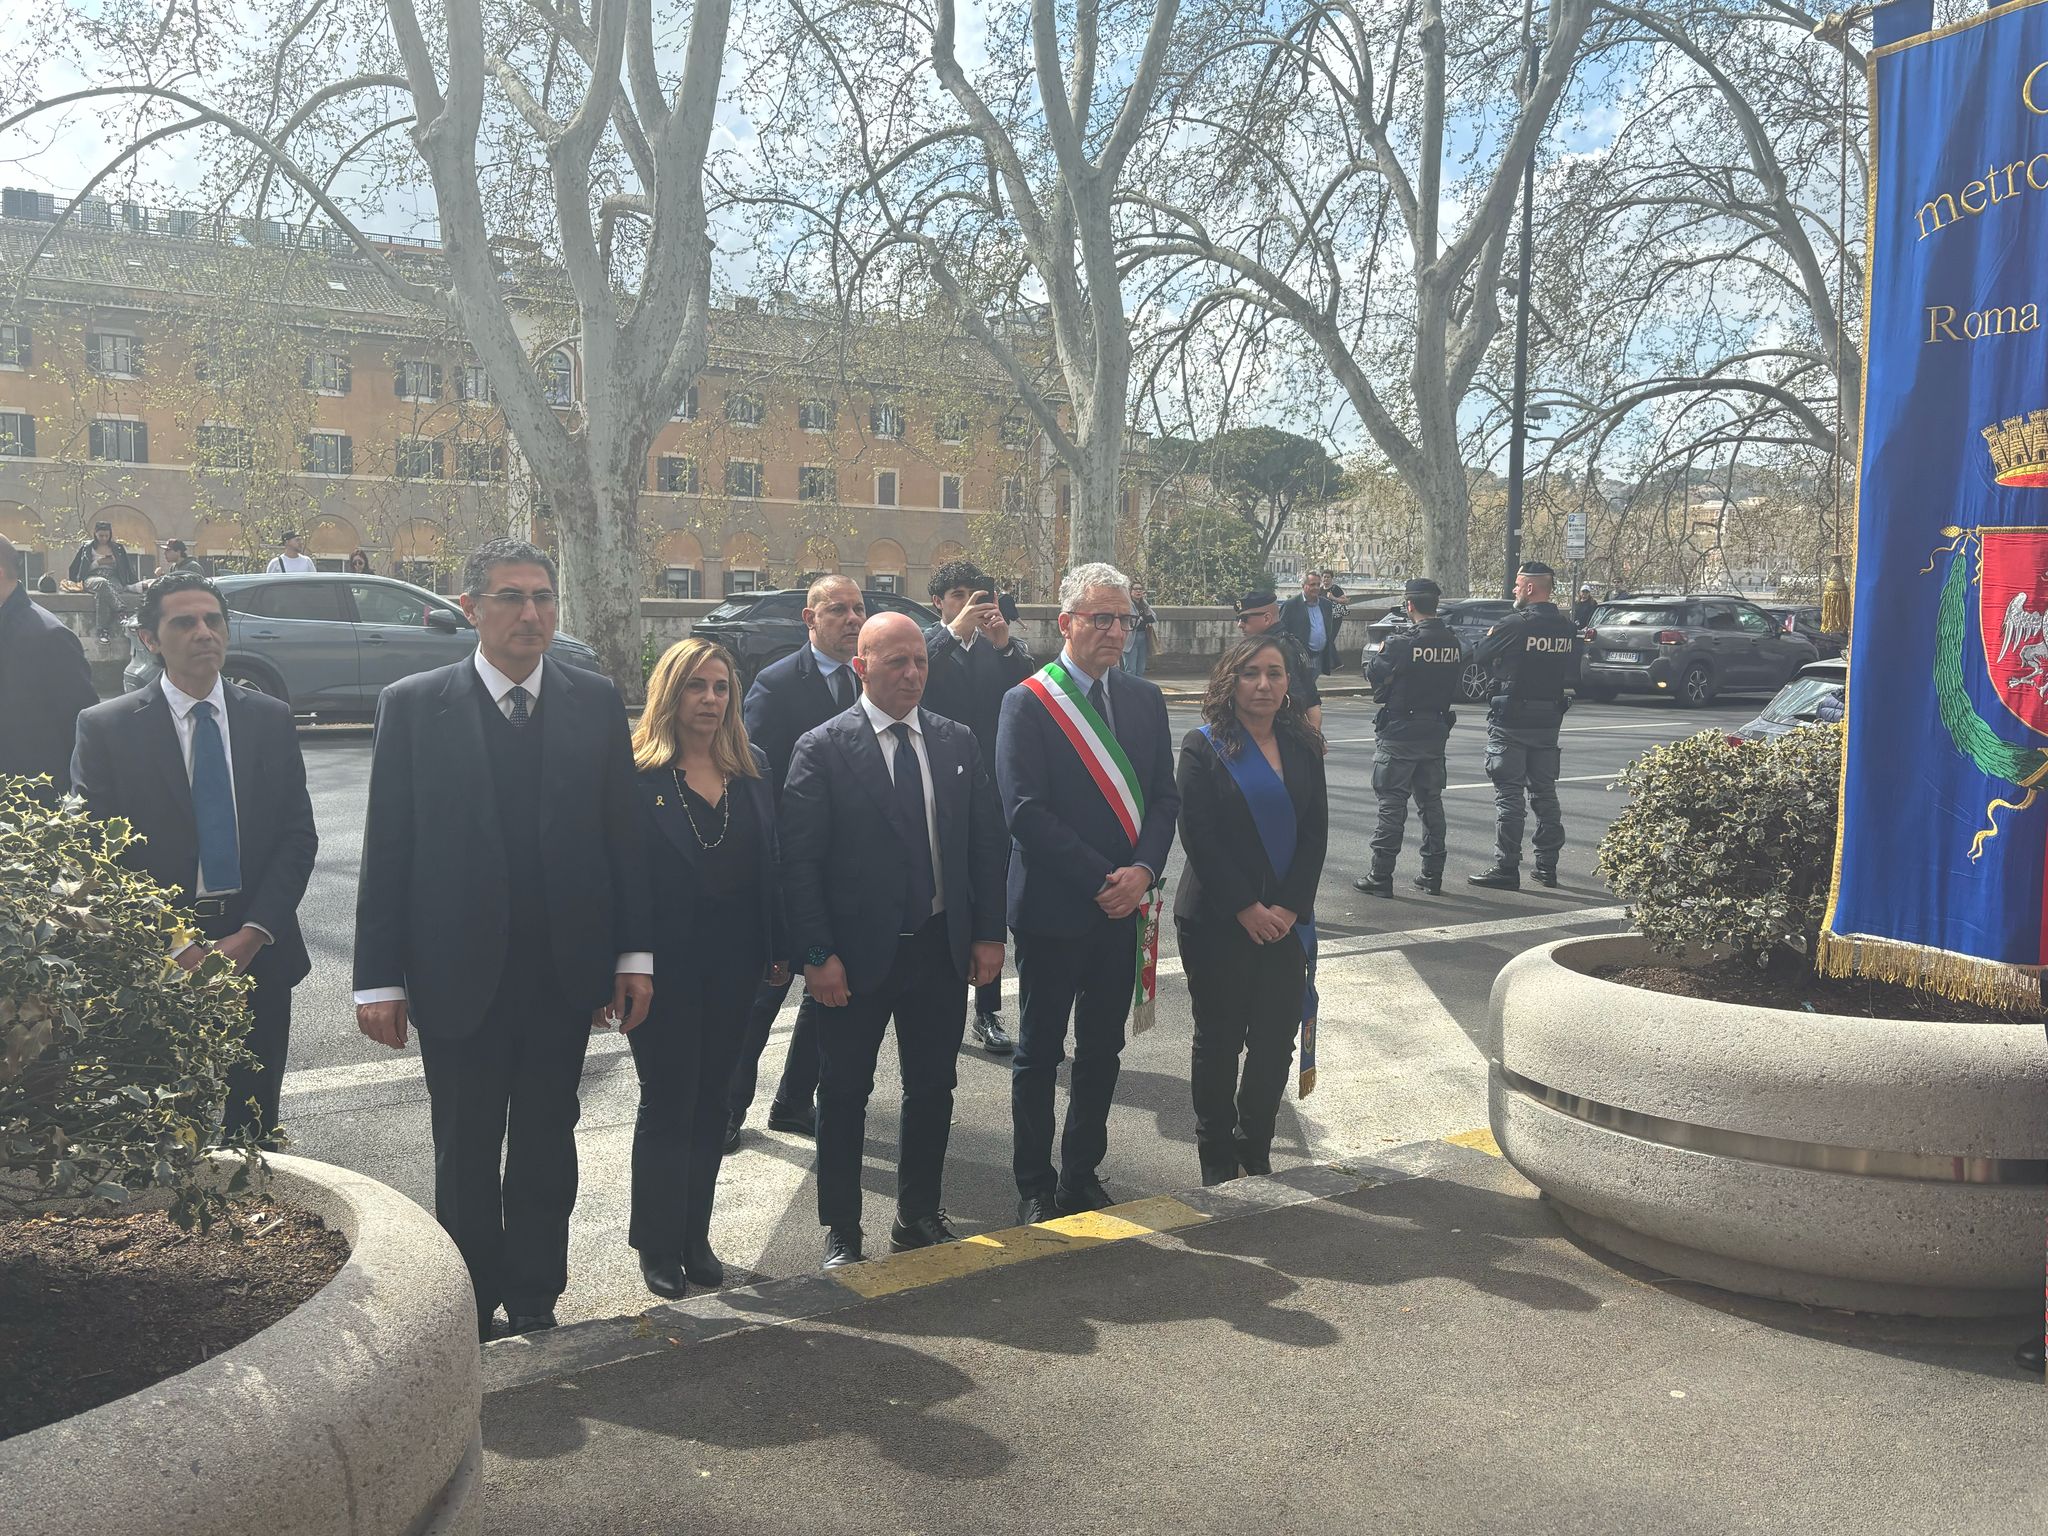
(504, 911)
(1084, 760)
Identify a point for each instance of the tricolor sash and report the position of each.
(1104, 758)
(1272, 808)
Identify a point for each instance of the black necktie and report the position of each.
(910, 798)
(1098, 699)
(842, 687)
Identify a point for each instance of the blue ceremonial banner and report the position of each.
(1945, 792)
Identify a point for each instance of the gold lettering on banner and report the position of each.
(1946, 323)
(2027, 90)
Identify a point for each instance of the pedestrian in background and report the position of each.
(717, 937)
(178, 558)
(1533, 655)
(1582, 610)
(44, 682)
(104, 567)
(1414, 679)
(976, 658)
(1254, 823)
(1313, 620)
(359, 563)
(291, 558)
(1138, 648)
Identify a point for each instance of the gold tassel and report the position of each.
(1834, 599)
(1962, 978)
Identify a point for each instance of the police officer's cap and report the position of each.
(1251, 600)
(1422, 586)
(1536, 568)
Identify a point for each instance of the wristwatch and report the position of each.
(817, 954)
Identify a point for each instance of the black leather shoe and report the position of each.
(733, 1128)
(1219, 1170)
(529, 1322)
(1374, 885)
(702, 1265)
(1432, 885)
(1088, 1195)
(1497, 878)
(990, 1035)
(798, 1122)
(663, 1273)
(923, 1232)
(1546, 877)
(1033, 1209)
(2028, 1356)
(842, 1247)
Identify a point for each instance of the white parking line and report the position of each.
(1577, 778)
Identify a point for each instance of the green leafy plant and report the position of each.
(1203, 555)
(650, 652)
(1730, 844)
(114, 1061)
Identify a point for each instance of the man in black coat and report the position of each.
(504, 909)
(805, 688)
(975, 660)
(1313, 620)
(44, 682)
(893, 858)
(210, 773)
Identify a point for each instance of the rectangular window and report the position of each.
(472, 384)
(885, 581)
(224, 447)
(885, 487)
(886, 421)
(418, 458)
(815, 415)
(687, 411)
(558, 379)
(17, 435)
(817, 482)
(677, 474)
(1018, 430)
(119, 442)
(327, 372)
(683, 581)
(949, 493)
(479, 461)
(415, 380)
(742, 581)
(115, 352)
(744, 410)
(327, 453)
(15, 351)
(951, 427)
(743, 478)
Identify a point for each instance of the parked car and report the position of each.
(1469, 618)
(327, 642)
(1688, 647)
(1804, 619)
(760, 627)
(1816, 696)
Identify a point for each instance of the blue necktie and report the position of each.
(518, 696)
(213, 805)
(910, 798)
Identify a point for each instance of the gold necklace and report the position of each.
(724, 808)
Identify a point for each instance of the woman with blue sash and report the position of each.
(1254, 821)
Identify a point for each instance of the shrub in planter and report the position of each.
(113, 1060)
(1730, 844)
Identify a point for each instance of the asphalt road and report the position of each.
(1404, 987)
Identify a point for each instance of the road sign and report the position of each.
(1575, 535)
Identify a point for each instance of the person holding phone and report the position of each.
(975, 660)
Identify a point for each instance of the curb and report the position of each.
(599, 1342)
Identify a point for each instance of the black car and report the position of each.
(1469, 618)
(1803, 619)
(760, 627)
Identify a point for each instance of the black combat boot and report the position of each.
(1547, 875)
(1430, 885)
(1374, 885)
(1502, 877)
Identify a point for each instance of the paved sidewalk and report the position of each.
(1414, 1348)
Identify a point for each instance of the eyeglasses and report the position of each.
(515, 602)
(1107, 621)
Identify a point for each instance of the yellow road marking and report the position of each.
(1480, 1139)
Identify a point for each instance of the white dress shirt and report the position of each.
(883, 725)
(182, 704)
(633, 962)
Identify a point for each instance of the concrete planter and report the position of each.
(1875, 1164)
(358, 1413)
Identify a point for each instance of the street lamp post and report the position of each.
(1518, 440)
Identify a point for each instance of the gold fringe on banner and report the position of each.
(1964, 978)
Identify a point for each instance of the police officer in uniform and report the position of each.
(1533, 655)
(1415, 679)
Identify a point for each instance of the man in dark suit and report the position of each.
(892, 852)
(211, 775)
(44, 683)
(504, 909)
(975, 661)
(1088, 844)
(1313, 620)
(805, 688)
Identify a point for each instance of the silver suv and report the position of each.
(1688, 647)
(327, 643)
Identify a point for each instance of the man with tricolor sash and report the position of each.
(1085, 763)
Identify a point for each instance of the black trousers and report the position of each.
(683, 1055)
(1087, 979)
(1247, 1006)
(507, 1093)
(253, 1090)
(799, 1085)
(927, 998)
(988, 998)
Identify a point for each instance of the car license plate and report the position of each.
(1627, 656)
